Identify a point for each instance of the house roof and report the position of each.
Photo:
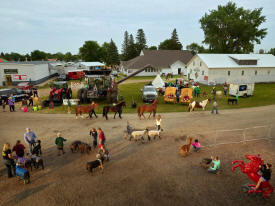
(158, 58)
(92, 64)
(227, 60)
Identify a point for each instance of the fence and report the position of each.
(233, 136)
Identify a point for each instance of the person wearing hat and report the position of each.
(29, 138)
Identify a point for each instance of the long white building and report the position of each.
(231, 68)
(12, 73)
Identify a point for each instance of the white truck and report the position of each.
(243, 90)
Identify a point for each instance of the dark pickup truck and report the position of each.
(17, 93)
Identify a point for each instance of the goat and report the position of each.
(137, 135)
(153, 133)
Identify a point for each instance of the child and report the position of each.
(216, 165)
(69, 107)
(196, 145)
(158, 122)
(215, 107)
(59, 142)
(266, 174)
(129, 128)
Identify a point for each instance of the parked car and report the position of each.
(149, 93)
(62, 77)
(26, 86)
(73, 75)
(243, 90)
(19, 94)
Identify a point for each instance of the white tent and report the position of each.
(158, 82)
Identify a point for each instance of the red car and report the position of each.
(24, 86)
(75, 75)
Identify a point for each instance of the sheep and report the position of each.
(153, 133)
(137, 135)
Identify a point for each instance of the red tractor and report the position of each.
(60, 91)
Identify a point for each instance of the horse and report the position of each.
(196, 104)
(84, 109)
(251, 170)
(148, 108)
(185, 149)
(116, 109)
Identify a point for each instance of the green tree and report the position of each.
(175, 37)
(169, 44)
(195, 48)
(125, 46)
(59, 56)
(132, 50)
(68, 57)
(90, 51)
(272, 51)
(110, 53)
(140, 40)
(153, 48)
(38, 55)
(233, 30)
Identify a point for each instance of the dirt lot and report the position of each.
(138, 174)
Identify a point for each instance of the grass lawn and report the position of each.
(264, 94)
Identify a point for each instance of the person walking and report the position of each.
(8, 160)
(93, 134)
(214, 92)
(215, 107)
(158, 122)
(93, 105)
(59, 141)
(11, 104)
(29, 138)
(101, 136)
(35, 92)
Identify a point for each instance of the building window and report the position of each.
(268, 72)
(228, 73)
(200, 63)
(202, 73)
(256, 72)
(242, 73)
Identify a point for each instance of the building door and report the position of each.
(179, 71)
(8, 80)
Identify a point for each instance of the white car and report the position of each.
(149, 93)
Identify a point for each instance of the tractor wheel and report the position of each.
(84, 95)
(45, 103)
(79, 95)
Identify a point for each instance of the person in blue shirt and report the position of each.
(29, 138)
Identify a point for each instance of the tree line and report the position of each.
(228, 29)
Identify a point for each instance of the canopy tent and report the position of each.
(3, 60)
(158, 82)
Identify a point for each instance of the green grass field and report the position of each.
(264, 94)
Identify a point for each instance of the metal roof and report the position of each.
(28, 62)
(92, 64)
(226, 61)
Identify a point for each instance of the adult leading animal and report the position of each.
(196, 104)
(84, 109)
(116, 109)
(148, 108)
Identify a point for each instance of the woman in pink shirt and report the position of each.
(196, 145)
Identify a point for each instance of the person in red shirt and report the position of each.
(19, 149)
(101, 136)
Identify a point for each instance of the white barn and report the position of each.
(220, 68)
(161, 61)
(12, 73)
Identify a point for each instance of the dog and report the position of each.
(37, 149)
(232, 101)
(84, 147)
(185, 149)
(96, 163)
(75, 146)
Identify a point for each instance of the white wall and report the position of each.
(178, 65)
(198, 70)
(41, 71)
(220, 75)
